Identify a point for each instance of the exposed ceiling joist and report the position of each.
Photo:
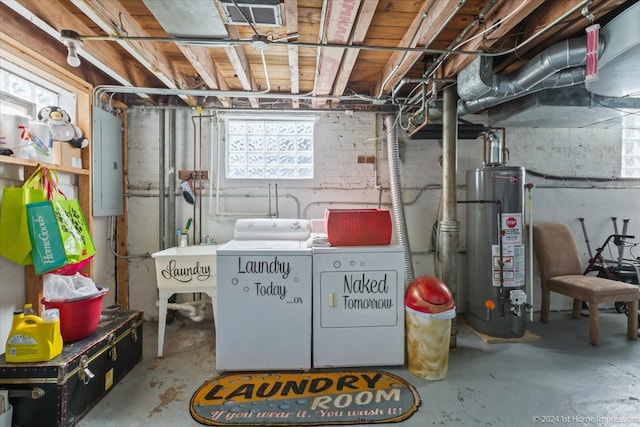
(428, 23)
(351, 54)
(112, 18)
(291, 22)
(367, 10)
(341, 17)
(54, 19)
(206, 68)
(241, 65)
(500, 20)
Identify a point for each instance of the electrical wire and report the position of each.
(496, 24)
(111, 240)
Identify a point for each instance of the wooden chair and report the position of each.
(561, 272)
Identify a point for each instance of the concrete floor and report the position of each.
(560, 379)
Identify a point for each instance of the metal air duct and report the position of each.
(188, 18)
(618, 66)
(560, 65)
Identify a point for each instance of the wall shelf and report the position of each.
(33, 163)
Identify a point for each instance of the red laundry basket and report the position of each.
(358, 227)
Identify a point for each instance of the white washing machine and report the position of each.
(263, 301)
(358, 306)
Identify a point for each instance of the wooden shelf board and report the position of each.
(27, 162)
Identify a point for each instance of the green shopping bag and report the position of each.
(60, 238)
(15, 244)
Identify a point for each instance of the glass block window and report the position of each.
(269, 148)
(630, 153)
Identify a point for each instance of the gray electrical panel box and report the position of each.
(106, 175)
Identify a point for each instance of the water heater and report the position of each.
(495, 291)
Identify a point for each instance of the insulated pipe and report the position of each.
(449, 227)
(396, 196)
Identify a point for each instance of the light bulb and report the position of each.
(72, 57)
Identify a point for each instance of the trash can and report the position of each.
(429, 308)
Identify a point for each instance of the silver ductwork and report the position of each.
(571, 107)
(619, 64)
(560, 65)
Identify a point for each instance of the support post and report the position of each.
(449, 227)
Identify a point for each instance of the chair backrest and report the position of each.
(556, 250)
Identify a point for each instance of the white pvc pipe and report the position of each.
(195, 309)
(530, 218)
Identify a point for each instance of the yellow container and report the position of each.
(34, 339)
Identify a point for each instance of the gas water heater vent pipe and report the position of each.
(396, 196)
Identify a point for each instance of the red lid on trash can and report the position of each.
(428, 294)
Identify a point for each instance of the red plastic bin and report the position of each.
(358, 227)
(79, 317)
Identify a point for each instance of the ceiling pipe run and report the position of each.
(561, 65)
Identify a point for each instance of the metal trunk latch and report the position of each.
(84, 373)
(134, 331)
(113, 352)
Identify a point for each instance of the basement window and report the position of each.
(269, 148)
(630, 153)
(25, 94)
(23, 97)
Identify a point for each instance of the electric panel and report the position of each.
(106, 156)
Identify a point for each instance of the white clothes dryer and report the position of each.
(358, 306)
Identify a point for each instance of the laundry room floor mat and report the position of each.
(304, 399)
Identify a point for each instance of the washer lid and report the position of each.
(282, 247)
(272, 229)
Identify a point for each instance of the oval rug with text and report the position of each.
(304, 398)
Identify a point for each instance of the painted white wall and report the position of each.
(341, 182)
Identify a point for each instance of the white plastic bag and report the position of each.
(59, 288)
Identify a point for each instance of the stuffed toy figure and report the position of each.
(61, 126)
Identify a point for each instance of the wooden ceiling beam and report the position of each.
(423, 30)
(54, 14)
(206, 68)
(21, 43)
(291, 22)
(341, 17)
(238, 58)
(515, 11)
(110, 14)
(363, 21)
